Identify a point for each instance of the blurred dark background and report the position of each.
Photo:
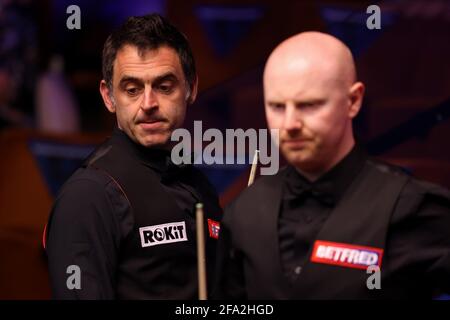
(52, 116)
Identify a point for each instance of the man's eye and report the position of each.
(132, 91)
(311, 105)
(165, 88)
(277, 106)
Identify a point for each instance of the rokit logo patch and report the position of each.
(163, 233)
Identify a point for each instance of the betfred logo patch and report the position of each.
(346, 255)
(163, 233)
(214, 228)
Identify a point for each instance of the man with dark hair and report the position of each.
(333, 224)
(124, 222)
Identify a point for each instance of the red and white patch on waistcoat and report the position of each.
(346, 255)
(214, 228)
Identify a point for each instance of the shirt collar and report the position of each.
(157, 159)
(330, 187)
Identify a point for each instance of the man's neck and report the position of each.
(315, 174)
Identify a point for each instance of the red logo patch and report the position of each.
(346, 255)
(214, 228)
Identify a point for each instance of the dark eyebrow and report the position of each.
(127, 79)
(169, 76)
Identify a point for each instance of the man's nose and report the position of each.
(149, 100)
(292, 119)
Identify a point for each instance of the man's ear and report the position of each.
(194, 91)
(356, 95)
(106, 95)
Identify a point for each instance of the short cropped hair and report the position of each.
(147, 33)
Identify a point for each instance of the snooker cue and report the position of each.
(251, 178)
(201, 260)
